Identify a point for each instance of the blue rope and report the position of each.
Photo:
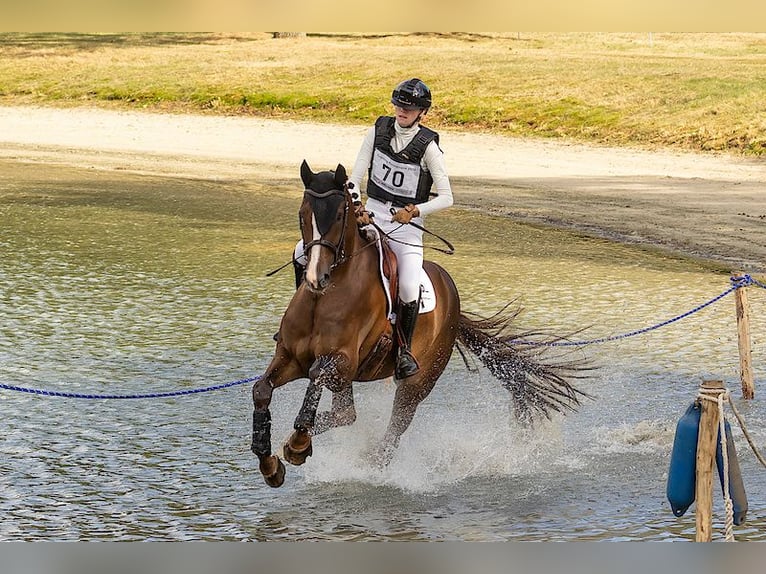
(737, 283)
(753, 282)
(138, 396)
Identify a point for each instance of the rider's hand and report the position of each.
(406, 213)
(363, 217)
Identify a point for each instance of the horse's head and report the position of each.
(324, 219)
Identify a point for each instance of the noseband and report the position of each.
(338, 249)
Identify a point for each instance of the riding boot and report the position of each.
(299, 271)
(406, 317)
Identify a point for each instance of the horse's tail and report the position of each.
(538, 383)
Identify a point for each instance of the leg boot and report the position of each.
(406, 317)
(299, 271)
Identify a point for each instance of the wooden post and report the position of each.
(743, 340)
(706, 446)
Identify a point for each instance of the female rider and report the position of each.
(403, 162)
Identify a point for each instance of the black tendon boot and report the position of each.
(299, 271)
(406, 317)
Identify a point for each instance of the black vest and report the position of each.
(399, 177)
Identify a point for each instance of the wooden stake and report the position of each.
(706, 446)
(743, 340)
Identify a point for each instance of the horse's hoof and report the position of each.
(296, 457)
(276, 478)
(381, 456)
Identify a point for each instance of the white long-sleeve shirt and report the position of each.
(433, 161)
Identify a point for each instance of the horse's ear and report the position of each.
(340, 176)
(306, 174)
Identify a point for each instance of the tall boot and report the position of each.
(406, 317)
(299, 271)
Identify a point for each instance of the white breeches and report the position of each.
(409, 257)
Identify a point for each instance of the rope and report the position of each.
(724, 396)
(737, 283)
(740, 420)
(745, 432)
(721, 397)
(48, 393)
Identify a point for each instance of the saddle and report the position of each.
(390, 269)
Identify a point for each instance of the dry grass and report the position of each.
(694, 91)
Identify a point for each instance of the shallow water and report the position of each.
(113, 283)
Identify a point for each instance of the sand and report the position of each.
(709, 206)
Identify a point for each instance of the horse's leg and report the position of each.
(279, 372)
(271, 467)
(331, 371)
(408, 396)
(341, 413)
(298, 447)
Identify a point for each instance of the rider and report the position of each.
(403, 161)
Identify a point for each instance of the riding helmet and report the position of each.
(412, 94)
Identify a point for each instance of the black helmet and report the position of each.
(411, 94)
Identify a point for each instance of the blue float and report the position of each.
(683, 461)
(683, 466)
(736, 485)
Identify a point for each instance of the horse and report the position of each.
(337, 330)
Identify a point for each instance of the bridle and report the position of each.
(338, 249)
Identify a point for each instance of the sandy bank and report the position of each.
(708, 206)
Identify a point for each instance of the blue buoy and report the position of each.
(683, 461)
(736, 486)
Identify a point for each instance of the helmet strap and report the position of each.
(417, 119)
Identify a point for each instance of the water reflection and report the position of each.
(117, 283)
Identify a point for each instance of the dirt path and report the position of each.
(709, 206)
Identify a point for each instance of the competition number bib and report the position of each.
(396, 178)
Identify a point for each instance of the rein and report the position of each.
(339, 248)
(450, 248)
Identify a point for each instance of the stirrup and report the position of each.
(406, 365)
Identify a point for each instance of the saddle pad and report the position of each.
(427, 293)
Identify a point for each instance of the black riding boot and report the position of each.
(299, 271)
(406, 317)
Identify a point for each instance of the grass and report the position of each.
(689, 91)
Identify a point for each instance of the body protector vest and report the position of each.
(399, 177)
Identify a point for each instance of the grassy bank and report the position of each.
(690, 91)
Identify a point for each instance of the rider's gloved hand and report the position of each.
(363, 217)
(406, 213)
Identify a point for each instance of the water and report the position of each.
(124, 284)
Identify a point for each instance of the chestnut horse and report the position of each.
(337, 329)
